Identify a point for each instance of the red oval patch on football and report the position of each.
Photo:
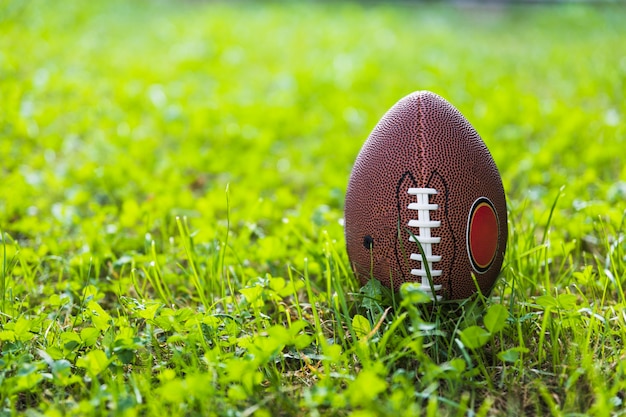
(482, 234)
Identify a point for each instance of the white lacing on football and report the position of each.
(423, 226)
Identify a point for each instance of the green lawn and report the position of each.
(172, 179)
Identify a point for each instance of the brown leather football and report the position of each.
(424, 174)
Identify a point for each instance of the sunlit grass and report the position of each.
(172, 183)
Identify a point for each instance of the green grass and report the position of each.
(172, 183)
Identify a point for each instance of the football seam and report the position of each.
(448, 279)
(424, 239)
(400, 191)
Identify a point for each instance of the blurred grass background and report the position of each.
(160, 105)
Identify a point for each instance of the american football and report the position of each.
(425, 203)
